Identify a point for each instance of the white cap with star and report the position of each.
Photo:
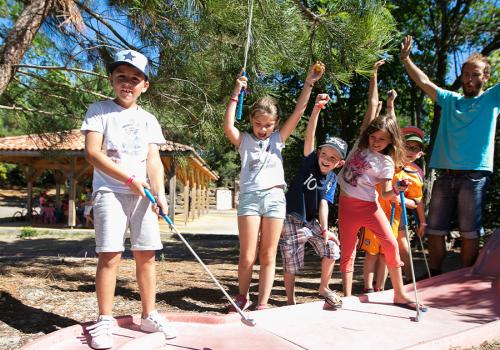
(132, 58)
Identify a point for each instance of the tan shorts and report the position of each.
(115, 214)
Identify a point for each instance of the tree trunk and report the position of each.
(20, 37)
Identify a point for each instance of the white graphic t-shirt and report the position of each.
(127, 134)
(362, 171)
(261, 162)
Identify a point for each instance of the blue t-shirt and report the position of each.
(466, 133)
(308, 188)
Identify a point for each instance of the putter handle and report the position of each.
(403, 182)
(153, 201)
(241, 97)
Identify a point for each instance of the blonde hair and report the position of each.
(389, 124)
(266, 105)
(477, 57)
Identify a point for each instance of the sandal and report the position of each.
(333, 299)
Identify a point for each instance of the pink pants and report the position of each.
(354, 214)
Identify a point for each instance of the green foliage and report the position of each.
(27, 232)
(3, 174)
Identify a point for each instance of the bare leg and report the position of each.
(469, 251)
(369, 269)
(268, 247)
(289, 279)
(381, 273)
(400, 295)
(145, 269)
(248, 227)
(327, 266)
(105, 281)
(437, 251)
(347, 283)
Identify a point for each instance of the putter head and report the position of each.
(248, 321)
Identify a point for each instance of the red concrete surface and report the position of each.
(464, 311)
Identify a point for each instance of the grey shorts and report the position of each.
(115, 213)
(269, 203)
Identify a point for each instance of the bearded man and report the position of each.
(462, 153)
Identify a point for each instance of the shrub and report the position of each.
(27, 231)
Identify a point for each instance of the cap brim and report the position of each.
(334, 148)
(113, 65)
(415, 138)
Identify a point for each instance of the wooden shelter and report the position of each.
(63, 152)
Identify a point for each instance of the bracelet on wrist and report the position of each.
(233, 99)
(130, 180)
(319, 105)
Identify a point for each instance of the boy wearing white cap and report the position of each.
(122, 143)
(307, 210)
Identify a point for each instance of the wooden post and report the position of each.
(71, 202)
(194, 201)
(59, 178)
(172, 183)
(200, 200)
(186, 201)
(30, 174)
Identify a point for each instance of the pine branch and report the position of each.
(307, 13)
(64, 85)
(25, 109)
(105, 23)
(61, 68)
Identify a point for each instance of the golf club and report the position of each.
(405, 218)
(244, 318)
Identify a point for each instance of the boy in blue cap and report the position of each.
(307, 209)
(122, 143)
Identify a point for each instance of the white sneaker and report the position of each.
(101, 332)
(156, 323)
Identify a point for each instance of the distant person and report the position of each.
(87, 209)
(49, 213)
(307, 200)
(372, 161)
(462, 154)
(262, 206)
(122, 143)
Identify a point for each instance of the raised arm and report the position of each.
(419, 77)
(232, 133)
(391, 96)
(321, 101)
(371, 111)
(315, 72)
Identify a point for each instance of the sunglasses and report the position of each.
(413, 148)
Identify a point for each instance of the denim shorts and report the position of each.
(458, 196)
(269, 203)
(115, 213)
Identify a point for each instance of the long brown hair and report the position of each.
(389, 124)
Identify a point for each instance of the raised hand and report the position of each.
(241, 83)
(391, 95)
(406, 47)
(377, 65)
(322, 100)
(315, 72)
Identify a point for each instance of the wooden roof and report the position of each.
(58, 150)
